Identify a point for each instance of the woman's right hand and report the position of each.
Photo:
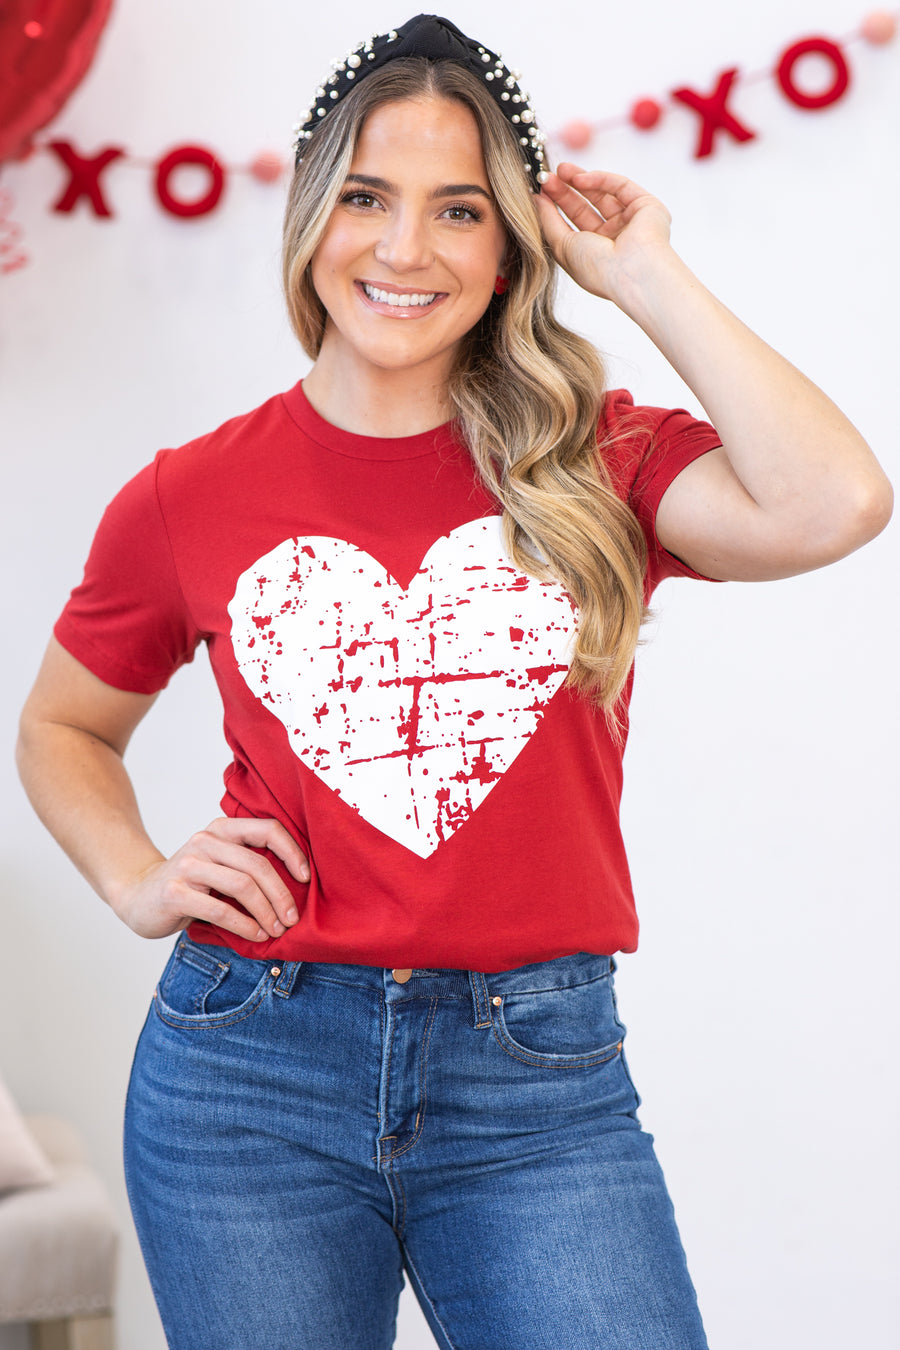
(73, 735)
(171, 893)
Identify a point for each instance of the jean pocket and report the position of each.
(570, 1027)
(200, 988)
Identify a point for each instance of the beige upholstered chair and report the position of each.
(58, 1244)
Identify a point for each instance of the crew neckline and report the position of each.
(350, 443)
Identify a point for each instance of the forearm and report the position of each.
(74, 732)
(79, 787)
(795, 454)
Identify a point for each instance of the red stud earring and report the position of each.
(501, 285)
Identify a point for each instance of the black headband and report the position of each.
(435, 39)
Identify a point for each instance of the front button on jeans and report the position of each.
(300, 1138)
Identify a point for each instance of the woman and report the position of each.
(388, 1040)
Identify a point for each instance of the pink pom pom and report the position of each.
(645, 113)
(879, 26)
(267, 167)
(576, 135)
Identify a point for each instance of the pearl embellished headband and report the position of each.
(436, 39)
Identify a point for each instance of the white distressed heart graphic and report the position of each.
(409, 704)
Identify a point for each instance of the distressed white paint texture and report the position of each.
(411, 703)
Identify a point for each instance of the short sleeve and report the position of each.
(128, 621)
(645, 449)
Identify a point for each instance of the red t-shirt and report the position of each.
(392, 684)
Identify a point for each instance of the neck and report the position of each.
(370, 401)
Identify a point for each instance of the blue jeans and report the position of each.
(300, 1135)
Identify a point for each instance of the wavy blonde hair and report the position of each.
(526, 390)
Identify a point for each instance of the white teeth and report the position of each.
(391, 297)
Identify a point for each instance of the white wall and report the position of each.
(761, 807)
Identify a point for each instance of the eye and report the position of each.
(364, 200)
(462, 212)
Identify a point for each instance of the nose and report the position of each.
(404, 244)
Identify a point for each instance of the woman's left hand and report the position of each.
(615, 223)
(793, 485)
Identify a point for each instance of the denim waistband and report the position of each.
(480, 986)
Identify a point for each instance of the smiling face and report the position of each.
(408, 261)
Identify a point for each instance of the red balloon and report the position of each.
(46, 49)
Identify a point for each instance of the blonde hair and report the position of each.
(526, 390)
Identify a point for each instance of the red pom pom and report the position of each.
(267, 167)
(879, 26)
(576, 135)
(645, 113)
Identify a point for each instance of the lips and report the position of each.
(409, 303)
(422, 298)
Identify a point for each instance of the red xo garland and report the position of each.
(717, 119)
(713, 110)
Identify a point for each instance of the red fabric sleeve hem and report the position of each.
(106, 667)
(645, 449)
(672, 564)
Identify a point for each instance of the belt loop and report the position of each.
(288, 974)
(479, 999)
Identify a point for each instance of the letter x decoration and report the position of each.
(714, 114)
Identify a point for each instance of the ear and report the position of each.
(505, 265)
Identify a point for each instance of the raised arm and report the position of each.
(73, 735)
(794, 485)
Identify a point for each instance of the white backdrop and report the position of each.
(761, 801)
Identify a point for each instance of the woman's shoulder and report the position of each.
(637, 441)
(620, 415)
(236, 436)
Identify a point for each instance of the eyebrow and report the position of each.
(445, 189)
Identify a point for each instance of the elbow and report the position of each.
(885, 506)
(868, 511)
(841, 525)
(21, 749)
(25, 743)
(23, 756)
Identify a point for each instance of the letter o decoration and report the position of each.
(204, 159)
(821, 47)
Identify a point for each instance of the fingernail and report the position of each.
(277, 928)
(292, 916)
(261, 935)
